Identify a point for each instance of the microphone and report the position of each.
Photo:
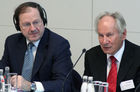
(83, 51)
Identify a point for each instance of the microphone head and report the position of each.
(84, 50)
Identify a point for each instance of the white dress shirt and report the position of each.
(118, 57)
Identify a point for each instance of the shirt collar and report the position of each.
(119, 53)
(36, 43)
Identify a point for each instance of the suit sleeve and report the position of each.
(5, 57)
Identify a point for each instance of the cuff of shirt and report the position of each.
(39, 87)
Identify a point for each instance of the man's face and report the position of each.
(109, 37)
(31, 24)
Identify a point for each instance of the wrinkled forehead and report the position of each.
(107, 21)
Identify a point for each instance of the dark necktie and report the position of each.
(28, 63)
(112, 77)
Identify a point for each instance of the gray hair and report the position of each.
(120, 22)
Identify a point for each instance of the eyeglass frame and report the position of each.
(27, 25)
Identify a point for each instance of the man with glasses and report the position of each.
(40, 57)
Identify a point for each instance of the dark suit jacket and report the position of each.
(52, 60)
(96, 65)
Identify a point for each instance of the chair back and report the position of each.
(76, 81)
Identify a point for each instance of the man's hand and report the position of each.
(21, 83)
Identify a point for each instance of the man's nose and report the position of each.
(105, 40)
(32, 27)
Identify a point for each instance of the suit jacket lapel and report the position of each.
(125, 62)
(101, 65)
(41, 52)
(104, 66)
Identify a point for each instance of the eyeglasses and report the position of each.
(35, 23)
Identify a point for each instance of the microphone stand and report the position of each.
(83, 51)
